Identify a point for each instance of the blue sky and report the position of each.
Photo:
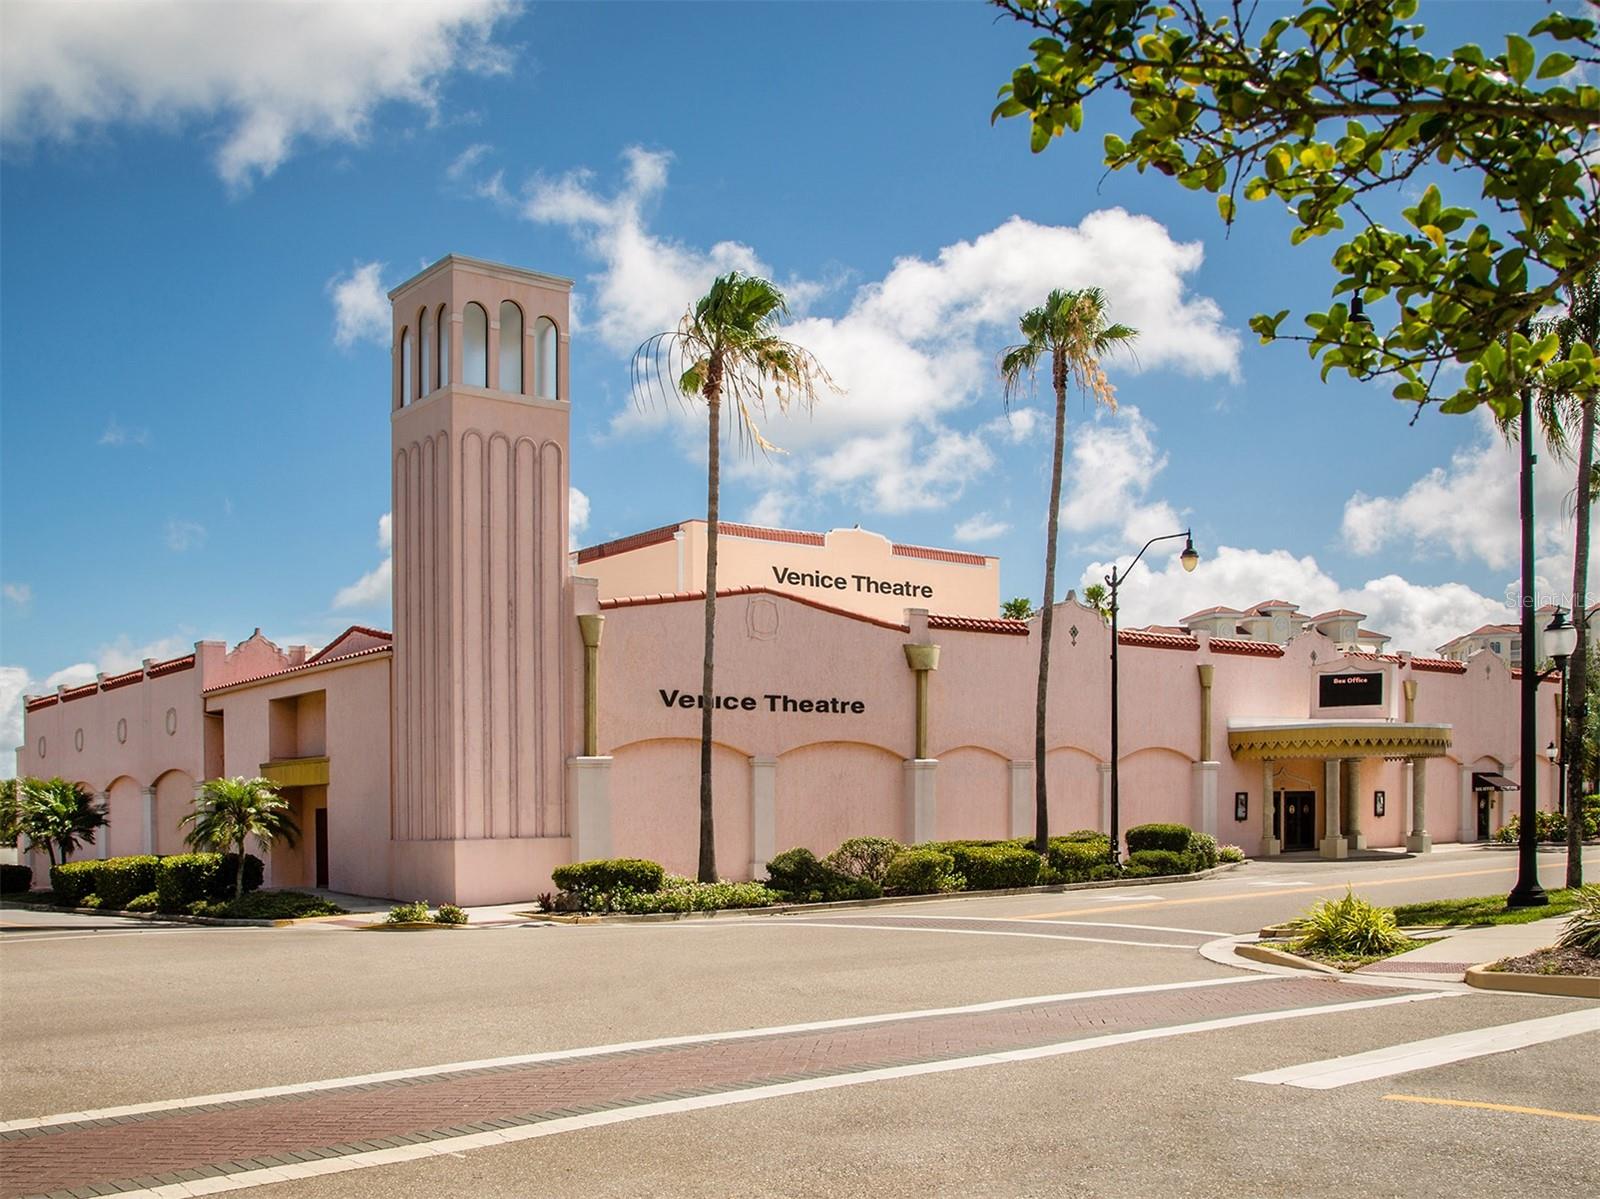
(200, 211)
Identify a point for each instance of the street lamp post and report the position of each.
(1560, 639)
(1190, 559)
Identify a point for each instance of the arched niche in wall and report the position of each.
(442, 323)
(406, 380)
(545, 360)
(510, 347)
(427, 380)
(475, 346)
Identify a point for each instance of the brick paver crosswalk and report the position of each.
(146, 1151)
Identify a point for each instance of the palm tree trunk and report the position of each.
(1041, 793)
(708, 844)
(238, 875)
(1577, 682)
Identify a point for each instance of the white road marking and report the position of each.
(982, 932)
(454, 1145)
(331, 1084)
(1028, 920)
(11, 937)
(1423, 1055)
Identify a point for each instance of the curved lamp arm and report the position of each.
(1114, 579)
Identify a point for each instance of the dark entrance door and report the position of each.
(1483, 815)
(322, 846)
(1299, 820)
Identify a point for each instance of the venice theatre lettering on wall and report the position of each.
(764, 703)
(865, 584)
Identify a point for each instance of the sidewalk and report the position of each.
(1458, 949)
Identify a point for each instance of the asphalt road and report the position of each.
(97, 1013)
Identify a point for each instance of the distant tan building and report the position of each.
(1277, 622)
(851, 569)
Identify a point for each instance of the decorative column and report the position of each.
(1355, 799)
(763, 813)
(103, 833)
(922, 772)
(591, 625)
(589, 784)
(1270, 846)
(148, 824)
(1419, 841)
(923, 659)
(1409, 688)
(1467, 830)
(1333, 843)
(1205, 770)
(1022, 805)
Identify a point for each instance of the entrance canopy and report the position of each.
(1276, 740)
(1488, 780)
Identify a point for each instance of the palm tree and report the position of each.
(726, 348)
(1098, 598)
(229, 811)
(57, 816)
(1071, 331)
(1556, 410)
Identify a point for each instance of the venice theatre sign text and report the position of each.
(763, 703)
(866, 584)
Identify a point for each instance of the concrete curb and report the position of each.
(1277, 957)
(181, 917)
(408, 926)
(1566, 986)
(801, 909)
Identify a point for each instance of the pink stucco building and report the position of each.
(459, 758)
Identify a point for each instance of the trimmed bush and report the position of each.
(1171, 837)
(865, 857)
(995, 867)
(1072, 859)
(118, 880)
(803, 879)
(1161, 861)
(254, 873)
(1137, 871)
(923, 870)
(14, 880)
(449, 913)
(415, 912)
(686, 895)
(186, 878)
(1105, 871)
(142, 903)
(73, 882)
(601, 876)
(1086, 835)
(267, 905)
(1229, 853)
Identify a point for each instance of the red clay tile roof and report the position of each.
(81, 692)
(1346, 612)
(924, 551)
(675, 597)
(757, 533)
(369, 651)
(973, 624)
(1216, 611)
(1370, 633)
(171, 666)
(1157, 640)
(39, 701)
(1273, 603)
(623, 545)
(326, 651)
(1239, 645)
(1442, 665)
(122, 680)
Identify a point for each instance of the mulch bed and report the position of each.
(1553, 961)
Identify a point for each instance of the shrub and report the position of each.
(267, 905)
(1135, 870)
(415, 912)
(15, 880)
(448, 913)
(687, 895)
(142, 903)
(1202, 851)
(995, 867)
(254, 873)
(602, 876)
(802, 878)
(72, 882)
(185, 879)
(1548, 826)
(923, 870)
(1171, 837)
(1161, 861)
(865, 857)
(1086, 835)
(118, 880)
(1229, 853)
(1583, 926)
(1349, 927)
(89, 901)
(1073, 858)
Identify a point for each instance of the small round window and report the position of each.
(172, 721)
(41, 747)
(122, 731)
(77, 741)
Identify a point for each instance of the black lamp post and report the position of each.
(1560, 640)
(1190, 560)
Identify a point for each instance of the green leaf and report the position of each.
(1556, 64)
(1519, 57)
(1075, 117)
(1225, 207)
(1459, 403)
(1115, 147)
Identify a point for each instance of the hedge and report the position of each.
(15, 880)
(922, 871)
(1171, 837)
(995, 867)
(605, 875)
(1071, 860)
(865, 857)
(73, 882)
(118, 880)
(1161, 861)
(799, 875)
(189, 878)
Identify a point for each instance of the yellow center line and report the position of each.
(1497, 1107)
(1236, 895)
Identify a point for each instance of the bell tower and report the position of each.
(480, 721)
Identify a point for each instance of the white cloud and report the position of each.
(1016, 426)
(360, 306)
(911, 349)
(980, 527)
(386, 532)
(466, 160)
(14, 684)
(370, 590)
(262, 77)
(1113, 464)
(185, 535)
(75, 675)
(19, 594)
(116, 435)
(577, 516)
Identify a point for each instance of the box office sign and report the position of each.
(1350, 690)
